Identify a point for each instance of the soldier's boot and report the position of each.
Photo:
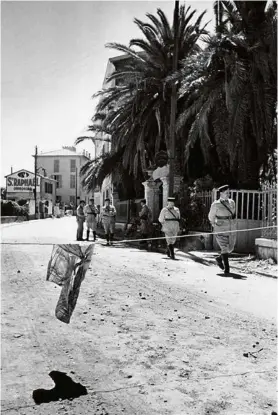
(171, 247)
(168, 251)
(107, 239)
(226, 263)
(95, 235)
(219, 262)
(88, 234)
(111, 238)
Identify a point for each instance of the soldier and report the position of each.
(80, 218)
(170, 218)
(108, 217)
(91, 212)
(145, 220)
(221, 217)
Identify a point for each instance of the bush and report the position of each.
(10, 208)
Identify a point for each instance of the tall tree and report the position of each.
(229, 94)
(135, 112)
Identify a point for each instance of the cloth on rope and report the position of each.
(67, 268)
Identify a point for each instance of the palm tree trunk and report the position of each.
(173, 104)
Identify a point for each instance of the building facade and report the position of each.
(20, 185)
(64, 166)
(102, 141)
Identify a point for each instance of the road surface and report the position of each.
(148, 336)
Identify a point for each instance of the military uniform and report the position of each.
(221, 217)
(170, 219)
(80, 218)
(91, 212)
(108, 218)
(145, 221)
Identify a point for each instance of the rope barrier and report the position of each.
(146, 239)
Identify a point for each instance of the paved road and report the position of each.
(148, 336)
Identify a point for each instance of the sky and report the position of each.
(53, 59)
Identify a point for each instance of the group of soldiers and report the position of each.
(89, 213)
(221, 217)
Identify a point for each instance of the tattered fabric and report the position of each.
(67, 267)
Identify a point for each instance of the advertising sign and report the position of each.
(22, 181)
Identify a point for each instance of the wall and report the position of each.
(47, 162)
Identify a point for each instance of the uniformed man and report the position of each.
(108, 218)
(145, 216)
(80, 218)
(222, 218)
(170, 219)
(91, 212)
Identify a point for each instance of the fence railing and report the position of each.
(251, 205)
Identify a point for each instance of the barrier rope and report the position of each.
(146, 239)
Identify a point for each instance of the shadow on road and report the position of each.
(65, 388)
(233, 275)
(195, 258)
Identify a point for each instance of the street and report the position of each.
(148, 336)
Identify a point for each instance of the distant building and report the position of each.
(20, 185)
(64, 166)
(102, 141)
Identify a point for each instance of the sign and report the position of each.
(22, 181)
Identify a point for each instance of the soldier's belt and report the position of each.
(172, 219)
(223, 217)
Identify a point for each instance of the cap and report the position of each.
(223, 188)
(107, 199)
(171, 199)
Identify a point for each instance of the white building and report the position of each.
(64, 166)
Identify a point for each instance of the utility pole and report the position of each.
(35, 190)
(75, 187)
(173, 103)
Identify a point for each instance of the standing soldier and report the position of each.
(108, 217)
(221, 217)
(170, 218)
(80, 218)
(145, 220)
(91, 212)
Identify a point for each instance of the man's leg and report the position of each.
(219, 261)
(95, 235)
(226, 263)
(79, 230)
(171, 248)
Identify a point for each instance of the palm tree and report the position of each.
(135, 112)
(229, 94)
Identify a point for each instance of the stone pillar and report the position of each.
(165, 184)
(152, 196)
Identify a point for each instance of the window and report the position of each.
(72, 181)
(48, 188)
(72, 166)
(56, 166)
(58, 177)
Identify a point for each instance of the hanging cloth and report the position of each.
(67, 268)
